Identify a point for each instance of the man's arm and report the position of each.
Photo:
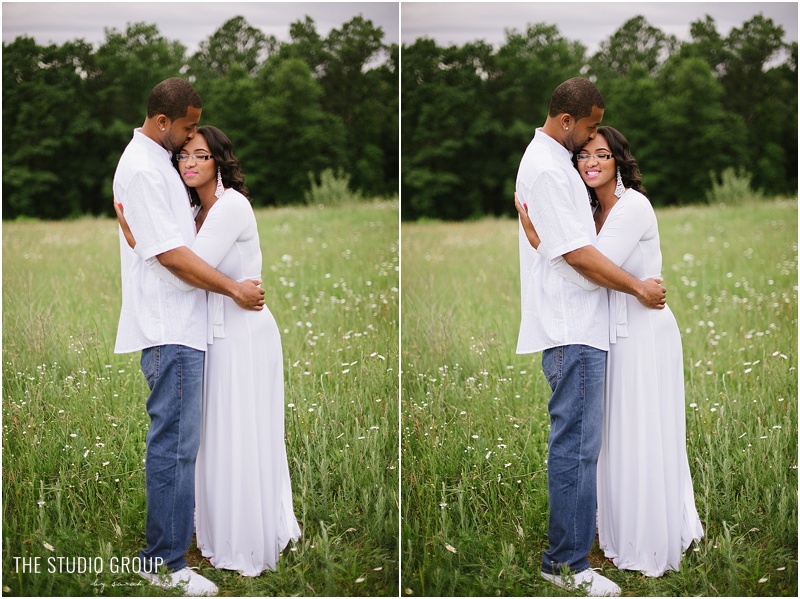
(593, 265)
(186, 265)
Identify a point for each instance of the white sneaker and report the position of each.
(594, 584)
(192, 583)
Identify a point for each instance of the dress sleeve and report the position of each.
(626, 226)
(632, 218)
(226, 222)
(228, 219)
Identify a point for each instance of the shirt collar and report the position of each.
(552, 144)
(151, 145)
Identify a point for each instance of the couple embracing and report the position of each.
(210, 349)
(589, 249)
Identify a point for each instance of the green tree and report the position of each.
(758, 92)
(296, 135)
(307, 45)
(759, 74)
(448, 132)
(235, 43)
(359, 87)
(359, 77)
(709, 44)
(697, 136)
(49, 162)
(636, 43)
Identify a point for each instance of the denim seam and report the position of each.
(580, 449)
(179, 366)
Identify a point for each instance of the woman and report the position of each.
(243, 495)
(646, 511)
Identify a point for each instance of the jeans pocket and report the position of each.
(151, 362)
(552, 361)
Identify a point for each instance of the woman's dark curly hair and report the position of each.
(221, 149)
(621, 150)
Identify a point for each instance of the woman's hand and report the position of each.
(126, 230)
(527, 225)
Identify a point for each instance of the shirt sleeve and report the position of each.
(165, 274)
(554, 216)
(564, 270)
(149, 217)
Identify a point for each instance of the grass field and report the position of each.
(475, 422)
(74, 422)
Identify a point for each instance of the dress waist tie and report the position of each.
(617, 315)
(216, 313)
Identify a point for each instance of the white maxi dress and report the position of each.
(646, 511)
(243, 493)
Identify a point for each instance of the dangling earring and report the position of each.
(221, 189)
(620, 189)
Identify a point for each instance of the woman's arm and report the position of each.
(630, 222)
(123, 224)
(527, 225)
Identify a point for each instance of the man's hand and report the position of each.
(190, 268)
(593, 265)
(652, 294)
(249, 295)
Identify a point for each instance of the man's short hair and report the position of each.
(576, 97)
(172, 98)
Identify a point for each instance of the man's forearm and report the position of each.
(593, 265)
(189, 267)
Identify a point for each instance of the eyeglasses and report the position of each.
(195, 157)
(585, 157)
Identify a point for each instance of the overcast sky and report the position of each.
(186, 22)
(455, 23)
(446, 22)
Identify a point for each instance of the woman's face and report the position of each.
(595, 167)
(194, 169)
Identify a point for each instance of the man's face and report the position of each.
(181, 130)
(583, 130)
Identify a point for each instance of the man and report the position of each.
(167, 325)
(570, 326)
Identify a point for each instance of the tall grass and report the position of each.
(74, 420)
(475, 422)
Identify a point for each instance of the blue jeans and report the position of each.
(174, 374)
(576, 374)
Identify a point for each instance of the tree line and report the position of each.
(690, 110)
(293, 110)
